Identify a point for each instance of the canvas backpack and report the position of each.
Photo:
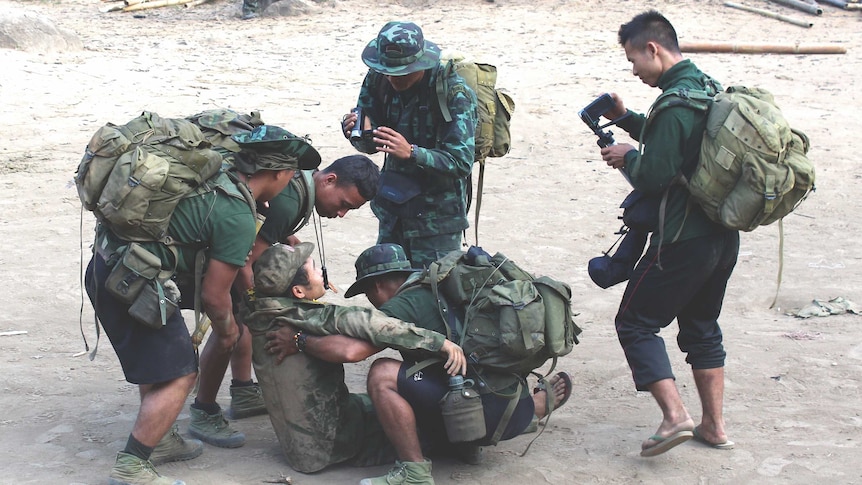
(752, 169)
(132, 176)
(494, 111)
(505, 319)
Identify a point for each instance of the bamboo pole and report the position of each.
(153, 4)
(195, 3)
(752, 48)
(813, 9)
(853, 6)
(836, 3)
(767, 13)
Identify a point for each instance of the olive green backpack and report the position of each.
(753, 167)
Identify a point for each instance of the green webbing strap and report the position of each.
(479, 184)
(421, 365)
(507, 415)
(549, 402)
(433, 272)
(780, 259)
(442, 91)
(162, 304)
(200, 316)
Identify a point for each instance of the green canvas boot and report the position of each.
(404, 472)
(214, 429)
(245, 402)
(174, 447)
(131, 470)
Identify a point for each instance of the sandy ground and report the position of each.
(793, 385)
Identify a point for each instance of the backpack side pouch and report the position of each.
(152, 307)
(132, 272)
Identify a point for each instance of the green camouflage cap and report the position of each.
(269, 139)
(275, 268)
(377, 260)
(400, 49)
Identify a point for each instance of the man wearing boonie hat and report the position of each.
(344, 185)
(318, 422)
(407, 401)
(422, 201)
(267, 152)
(163, 362)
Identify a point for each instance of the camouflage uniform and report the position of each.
(317, 421)
(422, 204)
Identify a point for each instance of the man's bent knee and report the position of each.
(383, 374)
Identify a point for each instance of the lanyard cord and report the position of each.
(321, 251)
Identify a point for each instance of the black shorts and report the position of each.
(148, 356)
(424, 390)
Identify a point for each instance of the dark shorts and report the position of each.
(426, 388)
(148, 356)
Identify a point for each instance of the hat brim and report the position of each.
(309, 159)
(358, 286)
(430, 58)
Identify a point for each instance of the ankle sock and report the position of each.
(207, 407)
(136, 448)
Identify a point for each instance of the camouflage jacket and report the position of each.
(440, 171)
(317, 420)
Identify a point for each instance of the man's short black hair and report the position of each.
(356, 170)
(649, 26)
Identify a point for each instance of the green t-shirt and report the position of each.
(222, 223)
(284, 213)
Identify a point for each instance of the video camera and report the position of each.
(593, 112)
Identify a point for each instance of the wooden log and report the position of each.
(767, 13)
(836, 3)
(813, 9)
(153, 4)
(754, 48)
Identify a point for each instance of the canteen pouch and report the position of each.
(463, 415)
(132, 272)
(152, 307)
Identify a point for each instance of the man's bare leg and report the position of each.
(675, 417)
(710, 387)
(395, 414)
(240, 358)
(160, 406)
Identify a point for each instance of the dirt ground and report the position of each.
(793, 385)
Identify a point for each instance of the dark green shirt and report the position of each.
(670, 141)
(287, 210)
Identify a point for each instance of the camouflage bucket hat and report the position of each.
(400, 49)
(377, 260)
(275, 268)
(269, 139)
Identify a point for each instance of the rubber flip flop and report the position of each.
(664, 444)
(727, 445)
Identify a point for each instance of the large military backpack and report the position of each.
(218, 125)
(132, 176)
(753, 169)
(505, 319)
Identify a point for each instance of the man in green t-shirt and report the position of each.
(346, 184)
(162, 361)
(684, 279)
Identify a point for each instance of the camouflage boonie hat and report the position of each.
(377, 260)
(275, 268)
(400, 49)
(273, 139)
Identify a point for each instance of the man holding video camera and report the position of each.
(422, 201)
(684, 278)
